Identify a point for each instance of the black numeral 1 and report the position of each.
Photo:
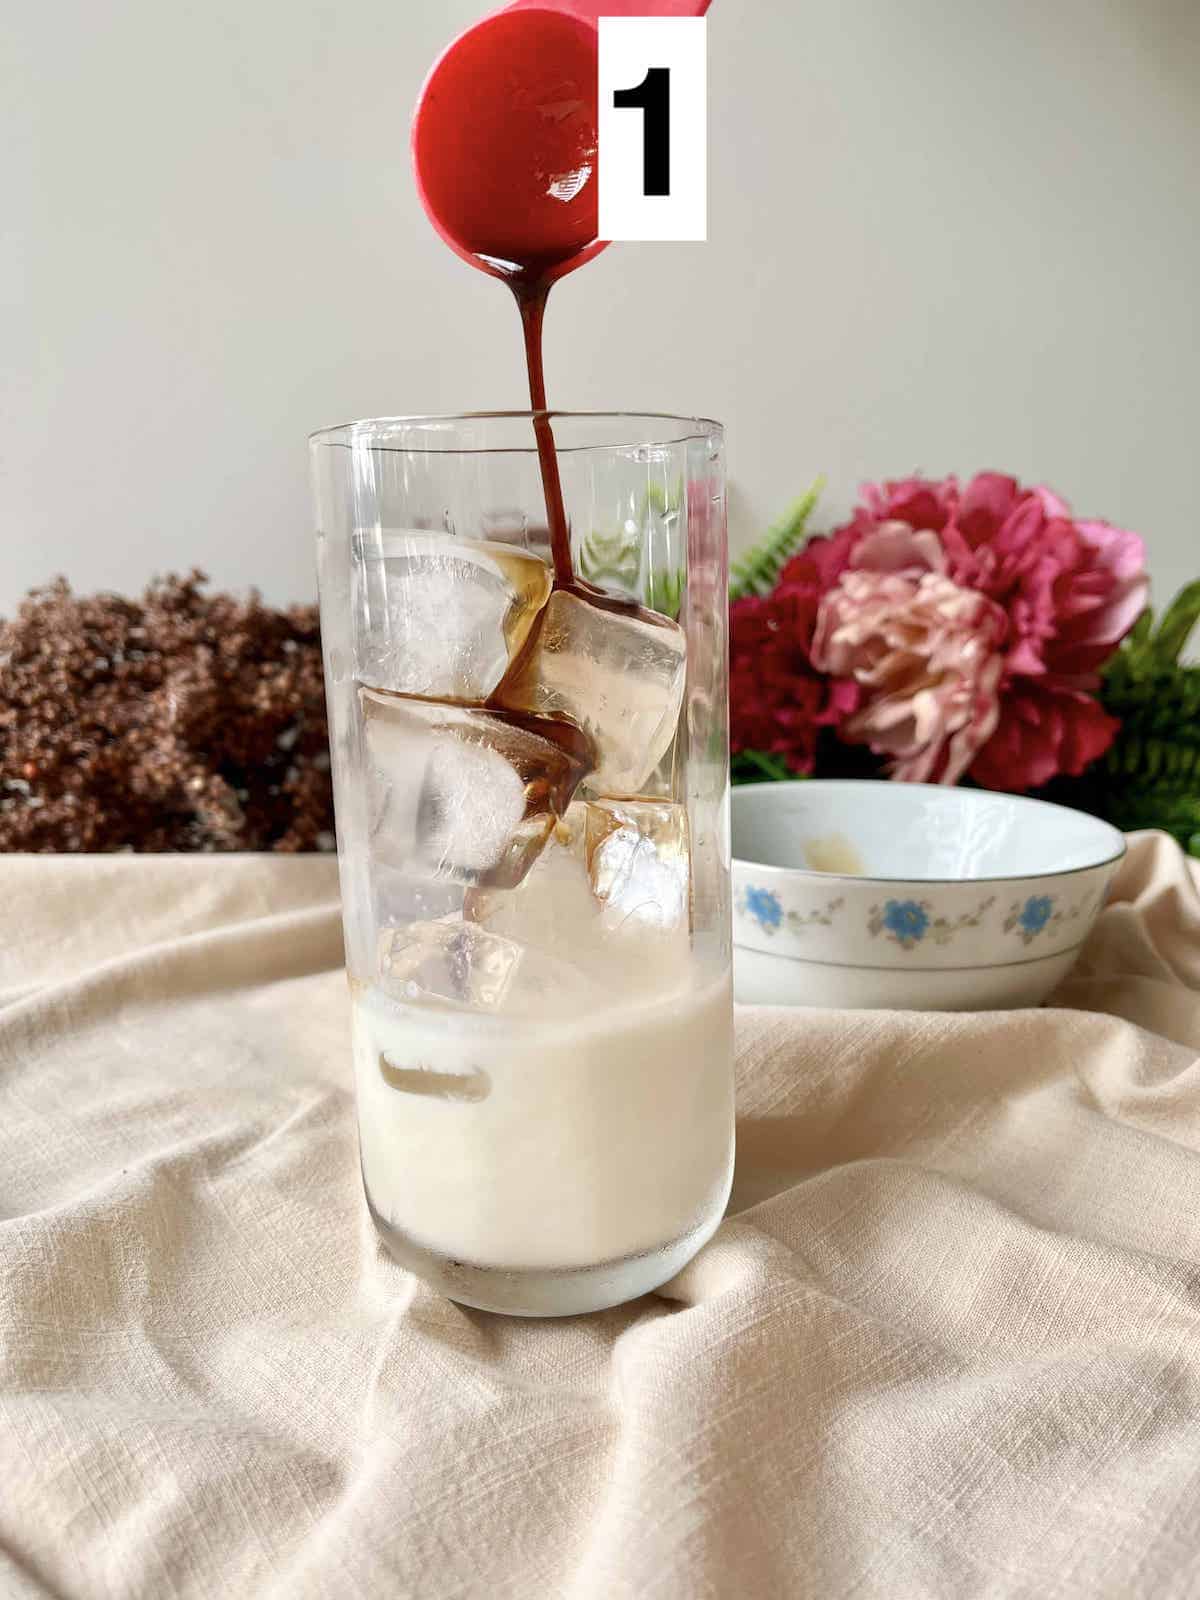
(653, 97)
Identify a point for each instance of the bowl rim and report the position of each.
(1020, 800)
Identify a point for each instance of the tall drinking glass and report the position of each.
(531, 781)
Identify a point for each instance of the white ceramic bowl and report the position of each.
(909, 895)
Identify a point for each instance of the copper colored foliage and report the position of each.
(180, 721)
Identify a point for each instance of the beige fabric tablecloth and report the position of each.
(947, 1344)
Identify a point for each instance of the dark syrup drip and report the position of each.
(531, 294)
(531, 298)
(531, 285)
(531, 289)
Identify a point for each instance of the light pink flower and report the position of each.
(926, 653)
(996, 683)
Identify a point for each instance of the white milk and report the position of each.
(561, 1144)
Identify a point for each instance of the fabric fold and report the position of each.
(947, 1341)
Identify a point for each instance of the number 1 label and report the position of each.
(653, 133)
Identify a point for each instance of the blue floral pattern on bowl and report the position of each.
(1030, 917)
(764, 907)
(1035, 913)
(907, 922)
(911, 923)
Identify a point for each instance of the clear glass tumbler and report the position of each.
(531, 781)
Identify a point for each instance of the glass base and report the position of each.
(551, 1292)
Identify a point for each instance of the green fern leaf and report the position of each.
(756, 766)
(611, 558)
(664, 594)
(1177, 623)
(758, 570)
(1150, 778)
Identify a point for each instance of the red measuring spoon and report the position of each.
(504, 144)
(504, 137)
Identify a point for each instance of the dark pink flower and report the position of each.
(1045, 730)
(972, 621)
(1072, 589)
(778, 701)
(919, 502)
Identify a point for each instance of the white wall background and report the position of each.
(943, 233)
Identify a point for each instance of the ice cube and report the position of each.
(609, 894)
(616, 672)
(448, 961)
(638, 863)
(443, 616)
(553, 909)
(463, 793)
(463, 965)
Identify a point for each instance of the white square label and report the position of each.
(653, 128)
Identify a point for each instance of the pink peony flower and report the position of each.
(1072, 589)
(927, 656)
(1046, 730)
(973, 622)
(918, 502)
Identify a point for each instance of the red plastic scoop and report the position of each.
(504, 135)
(504, 144)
